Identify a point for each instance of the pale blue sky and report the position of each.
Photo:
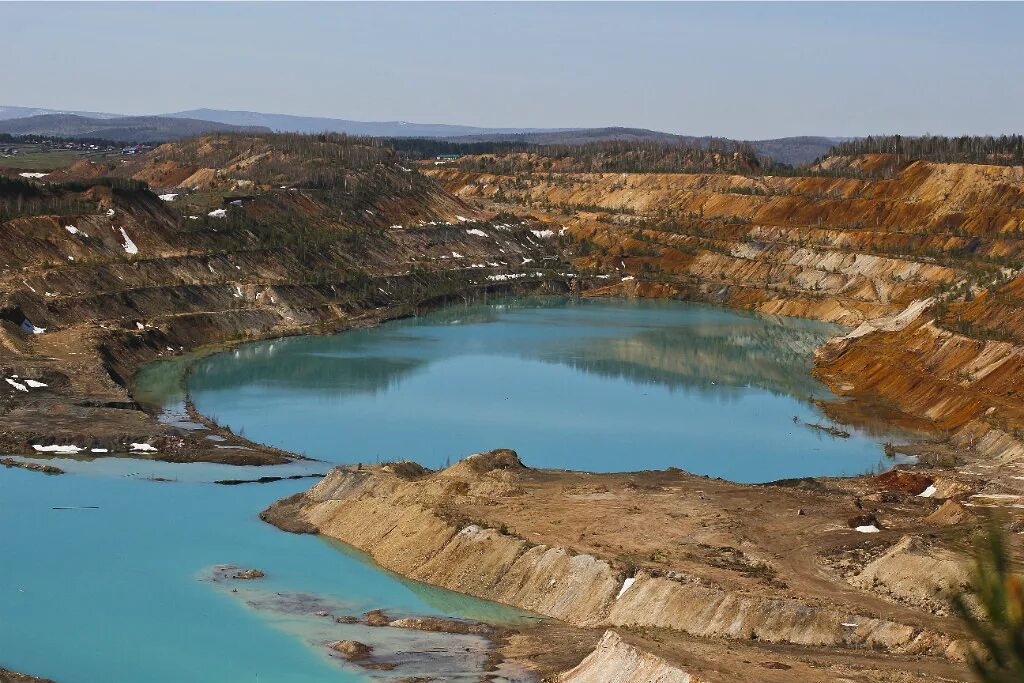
(731, 69)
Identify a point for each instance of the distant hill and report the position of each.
(794, 151)
(286, 123)
(574, 136)
(120, 129)
(24, 112)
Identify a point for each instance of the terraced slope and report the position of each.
(253, 236)
(928, 251)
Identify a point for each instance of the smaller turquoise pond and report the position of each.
(104, 578)
(593, 385)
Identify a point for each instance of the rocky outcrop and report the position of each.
(616, 661)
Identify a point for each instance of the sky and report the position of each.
(741, 70)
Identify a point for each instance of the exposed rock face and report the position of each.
(616, 661)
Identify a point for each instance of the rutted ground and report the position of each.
(670, 553)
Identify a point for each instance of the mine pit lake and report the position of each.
(118, 586)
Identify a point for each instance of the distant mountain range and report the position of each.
(183, 124)
(119, 129)
(24, 112)
(287, 123)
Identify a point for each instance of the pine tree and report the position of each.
(997, 622)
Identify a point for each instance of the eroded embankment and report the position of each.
(663, 550)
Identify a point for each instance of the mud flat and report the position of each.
(812, 570)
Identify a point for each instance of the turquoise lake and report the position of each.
(586, 384)
(117, 588)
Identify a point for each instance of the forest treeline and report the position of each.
(612, 156)
(976, 149)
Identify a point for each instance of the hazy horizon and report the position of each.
(750, 71)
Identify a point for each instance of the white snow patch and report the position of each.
(16, 384)
(456, 254)
(56, 449)
(74, 230)
(477, 232)
(129, 246)
(543, 234)
(98, 450)
(868, 529)
(928, 492)
(143, 447)
(626, 585)
(34, 384)
(169, 197)
(110, 212)
(628, 278)
(527, 260)
(33, 175)
(502, 277)
(462, 219)
(193, 218)
(218, 213)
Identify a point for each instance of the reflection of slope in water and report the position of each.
(317, 372)
(695, 347)
(398, 653)
(712, 359)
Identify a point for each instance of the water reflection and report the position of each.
(643, 342)
(581, 384)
